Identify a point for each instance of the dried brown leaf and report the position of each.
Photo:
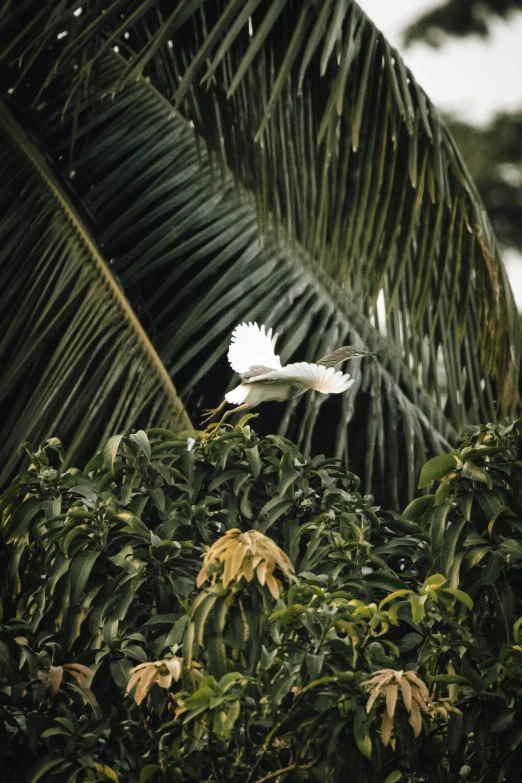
(274, 585)
(413, 677)
(373, 696)
(391, 698)
(386, 728)
(174, 666)
(406, 692)
(145, 684)
(415, 719)
(55, 679)
(261, 572)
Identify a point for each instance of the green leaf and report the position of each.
(466, 504)
(475, 555)
(448, 679)
(416, 509)
(110, 451)
(201, 615)
(490, 505)
(121, 672)
(161, 619)
(44, 765)
(460, 595)
(410, 641)
(232, 714)
(254, 460)
(55, 733)
(417, 608)
(393, 777)
(361, 733)
(71, 626)
(314, 665)
(475, 473)
(19, 523)
(80, 571)
(493, 568)
(435, 469)
(272, 512)
(511, 547)
(504, 720)
(175, 635)
(287, 473)
(147, 772)
(451, 540)
(280, 687)
(142, 440)
(215, 651)
(433, 582)
(392, 596)
(438, 521)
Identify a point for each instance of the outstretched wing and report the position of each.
(323, 379)
(252, 346)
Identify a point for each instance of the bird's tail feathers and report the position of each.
(237, 395)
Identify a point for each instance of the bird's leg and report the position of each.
(209, 413)
(242, 407)
(227, 414)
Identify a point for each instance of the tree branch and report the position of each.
(213, 758)
(290, 768)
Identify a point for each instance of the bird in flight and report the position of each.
(252, 355)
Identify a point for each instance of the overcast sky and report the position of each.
(471, 77)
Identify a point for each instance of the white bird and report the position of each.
(252, 355)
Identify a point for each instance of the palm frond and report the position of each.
(76, 362)
(315, 113)
(331, 187)
(192, 254)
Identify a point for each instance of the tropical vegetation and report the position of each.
(228, 606)
(202, 607)
(169, 170)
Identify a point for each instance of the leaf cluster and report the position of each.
(392, 645)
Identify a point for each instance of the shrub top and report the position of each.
(322, 631)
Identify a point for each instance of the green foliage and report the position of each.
(70, 330)
(199, 165)
(395, 650)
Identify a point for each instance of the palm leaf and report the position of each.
(193, 257)
(334, 186)
(317, 115)
(386, 207)
(76, 362)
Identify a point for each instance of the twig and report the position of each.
(281, 771)
(489, 769)
(284, 770)
(212, 754)
(256, 765)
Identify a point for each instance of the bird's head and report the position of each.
(342, 354)
(356, 353)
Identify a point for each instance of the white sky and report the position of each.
(471, 77)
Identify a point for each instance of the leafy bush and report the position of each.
(319, 634)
